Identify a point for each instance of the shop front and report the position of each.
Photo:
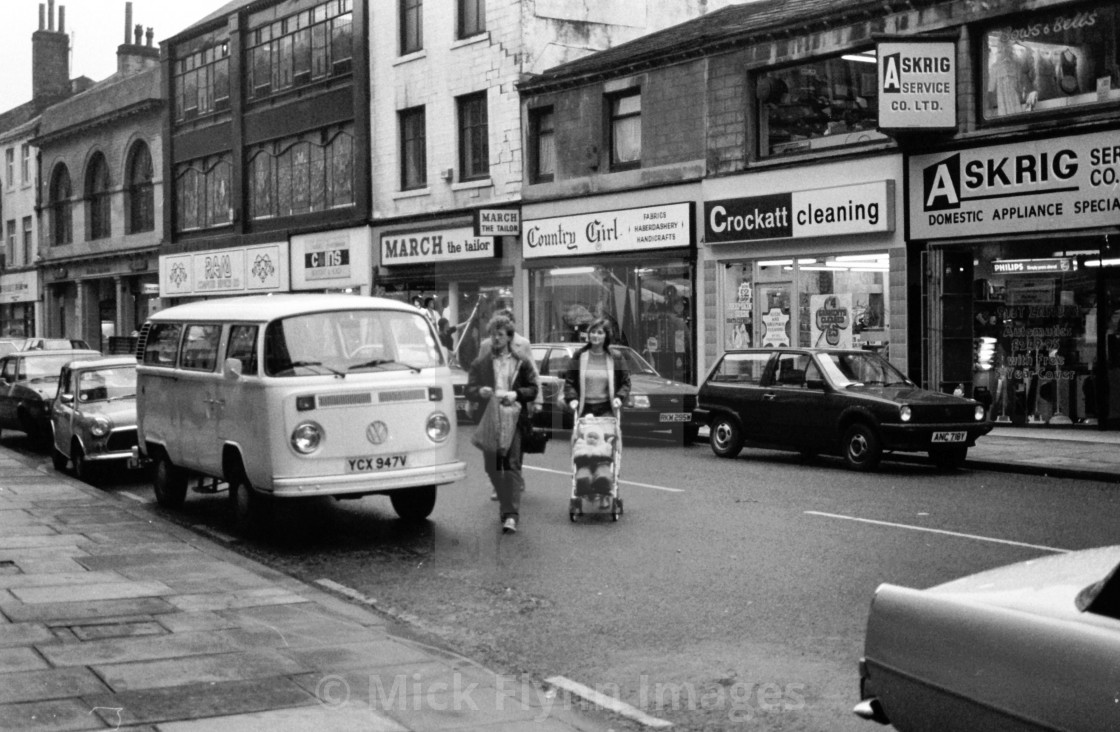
(1021, 296)
(19, 296)
(800, 266)
(634, 266)
(461, 277)
(100, 300)
(258, 269)
(332, 261)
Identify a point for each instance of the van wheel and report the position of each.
(862, 450)
(170, 483)
(248, 507)
(726, 437)
(414, 504)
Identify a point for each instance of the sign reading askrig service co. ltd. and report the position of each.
(917, 85)
(1042, 185)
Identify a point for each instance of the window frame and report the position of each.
(25, 164)
(411, 19)
(615, 118)
(472, 117)
(28, 240)
(471, 20)
(10, 168)
(536, 136)
(99, 199)
(61, 210)
(140, 199)
(412, 123)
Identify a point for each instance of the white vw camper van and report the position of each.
(285, 396)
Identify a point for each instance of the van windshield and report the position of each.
(350, 341)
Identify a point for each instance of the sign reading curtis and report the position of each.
(446, 245)
(858, 209)
(1042, 185)
(654, 227)
(917, 85)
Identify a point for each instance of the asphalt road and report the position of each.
(730, 593)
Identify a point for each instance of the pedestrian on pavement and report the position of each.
(597, 383)
(502, 374)
(431, 309)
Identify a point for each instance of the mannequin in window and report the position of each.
(1011, 78)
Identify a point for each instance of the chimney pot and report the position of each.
(127, 20)
(149, 35)
(61, 19)
(50, 15)
(42, 16)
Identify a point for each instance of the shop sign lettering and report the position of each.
(223, 271)
(655, 227)
(917, 85)
(1064, 183)
(446, 245)
(858, 209)
(327, 259)
(497, 222)
(19, 287)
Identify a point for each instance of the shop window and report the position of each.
(1048, 61)
(626, 130)
(472, 18)
(474, 140)
(412, 26)
(650, 306)
(202, 193)
(818, 105)
(542, 140)
(98, 195)
(60, 214)
(414, 159)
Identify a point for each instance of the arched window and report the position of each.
(141, 197)
(97, 192)
(61, 226)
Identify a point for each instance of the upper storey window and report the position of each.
(306, 46)
(1047, 61)
(201, 81)
(626, 130)
(818, 105)
(412, 26)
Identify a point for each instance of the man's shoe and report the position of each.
(509, 526)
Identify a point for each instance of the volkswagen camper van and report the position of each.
(288, 396)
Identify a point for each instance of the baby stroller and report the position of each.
(596, 458)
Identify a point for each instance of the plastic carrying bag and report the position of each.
(496, 427)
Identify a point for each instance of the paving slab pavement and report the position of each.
(111, 618)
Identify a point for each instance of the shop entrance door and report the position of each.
(1108, 400)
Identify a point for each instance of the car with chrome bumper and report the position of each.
(1030, 646)
(93, 415)
(28, 382)
(847, 402)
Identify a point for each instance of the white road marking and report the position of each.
(624, 482)
(607, 702)
(940, 531)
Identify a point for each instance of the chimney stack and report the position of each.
(50, 56)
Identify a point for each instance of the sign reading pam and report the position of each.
(917, 85)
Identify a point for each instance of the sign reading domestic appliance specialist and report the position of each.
(445, 245)
(1040, 185)
(917, 85)
(497, 222)
(605, 232)
(866, 208)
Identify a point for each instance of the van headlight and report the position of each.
(904, 413)
(980, 413)
(99, 427)
(306, 437)
(439, 427)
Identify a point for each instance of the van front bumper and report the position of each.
(363, 483)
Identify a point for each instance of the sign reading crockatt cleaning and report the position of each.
(1041, 185)
(858, 209)
(917, 85)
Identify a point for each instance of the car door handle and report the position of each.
(769, 396)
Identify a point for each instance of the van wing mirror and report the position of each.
(231, 368)
(66, 398)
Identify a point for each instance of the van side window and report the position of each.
(243, 347)
(162, 344)
(200, 347)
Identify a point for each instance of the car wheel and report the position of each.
(82, 467)
(58, 459)
(862, 450)
(727, 438)
(691, 432)
(170, 483)
(950, 457)
(414, 504)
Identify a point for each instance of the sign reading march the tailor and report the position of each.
(864, 208)
(917, 85)
(1040, 185)
(444, 245)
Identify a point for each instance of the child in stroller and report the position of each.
(596, 452)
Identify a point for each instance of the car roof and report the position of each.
(53, 353)
(269, 307)
(104, 363)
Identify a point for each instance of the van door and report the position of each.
(158, 397)
(199, 380)
(238, 399)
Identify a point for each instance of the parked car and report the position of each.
(655, 403)
(93, 414)
(851, 403)
(28, 381)
(52, 344)
(1031, 646)
(8, 345)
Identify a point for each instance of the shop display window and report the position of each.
(650, 306)
(836, 301)
(818, 105)
(1047, 61)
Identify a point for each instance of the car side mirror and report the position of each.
(231, 369)
(817, 384)
(66, 398)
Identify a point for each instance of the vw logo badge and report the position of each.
(377, 432)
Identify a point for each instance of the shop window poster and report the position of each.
(774, 304)
(830, 320)
(1047, 61)
(739, 314)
